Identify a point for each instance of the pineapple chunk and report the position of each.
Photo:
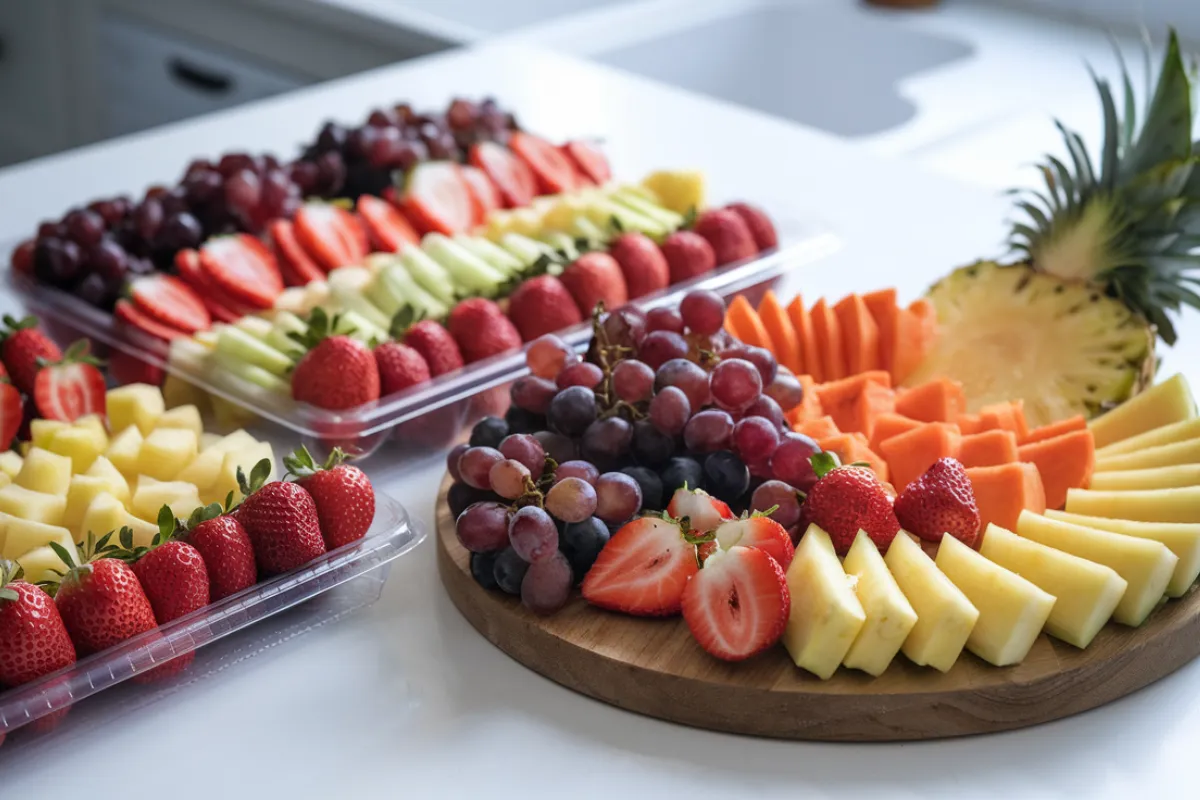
(4, 480)
(678, 190)
(228, 415)
(1163, 404)
(103, 468)
(179, 392)
(1165, 455)
(207, 440)
(138, 404)
(104, 515)
(43, 564)
(182, 417)
(44, 471)
(1157, 437)
(23, 503)
(143, 531)
(10, 463)
(151, 495)
(825, 616)
(1087, 592)
(124, 449)
(4, 519)
(1012, 610)
(1181, 538)
(42, 431)
(1148, 505)
(1146, 565)
(83, 490)
(889, 615)
(93, 422)
(203, 470)
(166, 451)
(945, 616)
(245, 459)
(238, 440)
(1131, 480)
(80, 443)
(25, 535)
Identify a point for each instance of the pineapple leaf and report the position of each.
(1079, 156)
(1129, 120)
(1051, 197)
(1065, 181)
(1039, 217)
(1161, 182)
(1108, 159)
(1167, 132)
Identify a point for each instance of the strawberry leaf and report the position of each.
(824, 463)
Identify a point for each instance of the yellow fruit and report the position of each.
(178, 392)
(203, 470)
(187, 417)
(166, 451)
(889, 615)
(678, 190)
(1172, 477)
(1166, 455)
(1145, 565)
(25, 535)
(229, 416)
(104, 515)
(245, 459)
(80, 443)
(945, 616)
(4, 480)
(43, 564)
(123, 451)
(1167, 434)
(1146, 505)
(826, 616)
(207, 440)
(143, 531)
(93, 422)
(44, 471)
(1162, 404)
(151, 495)
(81, 493)
(41, 431)
(10, 463)
(17, 501)
(238, 440)
(138, 404)
(103, 468)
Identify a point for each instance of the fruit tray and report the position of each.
(392, 534)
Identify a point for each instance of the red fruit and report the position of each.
(589, 160)
(70, 388)
(554, 172)
(510, 175)
(281, 520)
(595, 277)
(338, 373)
(485, 197)
(173, 576)
(23, 344)
(296, 265)
(704, 512)
(102, 604)
(643, 569)
(436, 346)
(227, 552)
(170, 301)
(939, 502)
(22, 257)
(728, 234)
(757, 531)
(344, 496)
(436, 198)
(330, 234)
(12, 413)
(219, 305)
(847, 499)
(688, 254)
(481, 329)
(542, 305)
(242, 267)
(642, 264)
(400, 367)
(738, 604)
(387, 228)
(760, 225)
(33, 639)
(128, 314)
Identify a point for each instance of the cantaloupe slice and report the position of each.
(1167, 434)
(882, 306)
(910, 454)
(969, 424)
(916, 334)
(810, 405)
(860, 334)
(746, 324)
(1162, 404)
(853, 447)
(854, 402)
(1075, 423)
(784, 342)
(891, 424)
(810, 353)
(828, 334)
(1064, 462)
(939, 400)
(1008, 416)
(1002, 492)
(1165, 455)
(1143, 505)
(818, 428)
(988, 449)
(1157, 478)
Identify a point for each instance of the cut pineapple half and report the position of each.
(1010, 333)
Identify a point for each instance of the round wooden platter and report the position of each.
(655, 667)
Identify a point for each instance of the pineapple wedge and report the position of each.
(166, 451)
(143, 531)
(889, 615)
(187, 416)
(945, 616)
(151, 495)
(1157, 437)
(43, 564)
(123, 451)
(1012, 610)
(826, 616)
(1162, 404)
(136, 404)
(24, 535)
(238, 440)
(1181, 538)
(81, 493)
(245, 459)
(42, 431)
(22, 503)
(10, 463)
(207, 440)
(1147, 505)
(1146, 565)
(203, 470)
(44, 471)
(1165, 455)
(4, 480)
(103, 468)
(103, 515)
(80, 443)
(1174, 477)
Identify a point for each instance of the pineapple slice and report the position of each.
(103, 468)
(889, 615)
(104, 515)
(44, 471)
(25, 535)
(207, 440)
(1165, 455)
(93, 422)
(10, 463)
(151, 495)
(124, 449)
(179, 392)
(826, 616)
(1012, 610)
(238, 440)
(1131, 480)
(203, 470)
(81, 493)
(229, 415)
(1156, 437)
(4, 480)
(187, 416)
(138, 404)
(1087, 592)
(43, 564)
(1147, 505)
(42, 431)
(1146, 565)
(680, 191)
(244, 459)
(945, 616)
(166, 451)
(80, 443)
(1166, 403)
(17, 501)
(1181, 538)
(143, 531)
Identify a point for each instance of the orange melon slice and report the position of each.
(819, 428)
(916, 334)
(810, 353)
(969, 424)
(909, 454)
(882, 306)
(939, 400)
(828, 334)
(1008, 416)
(860, 334)
(1002, 492)
(1064, 462)
(854, 402)
(1075, 423)
(891, 424)
(746, 324)
(988, 449)
(784, 342)
(851, 448)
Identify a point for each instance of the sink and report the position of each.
(831, 66)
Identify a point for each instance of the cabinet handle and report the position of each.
(198, 78)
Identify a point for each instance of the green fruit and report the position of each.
(492, 253)
(470, 272)
(428, 274)
(235, 346)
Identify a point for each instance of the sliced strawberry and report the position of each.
(704, 512)
(219, 305)
(295, 263)
(589, 160)
(738, 605)
(484, 194)
(71, 388)
(436, 198)
(554, 171)
(757, 531)
(127, 313)
(170, 301)
(643, 569)
(509, 174)
(12, 413)
(242, 267)
(387, 228)
(330, 234)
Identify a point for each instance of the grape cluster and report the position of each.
(240, 192)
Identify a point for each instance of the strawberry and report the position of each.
(688, 254)
(226, 549)
(344, 496)
(400, 367)
(435, 344)
(128, 314)
(643, 569)
(21, 348)
(72, 387)
(295, 264)
(33, 639)
(590, 162)
(554, 172)
(510, 175)
(281, 521)
(172, 572)
(703, 511)
(337, 372)
(219, 305)
(738, 604)
(22, 257)
(757, 530)
(481, 329)
(642, 264)
(386, 227)
(847, 499)
(542, 305)
(242, 267)
(728, 234)
(939, 502)
(594, 278)
(170, 301)
(760, 225)
(100, 599)
(436, 198)
(330, 234)
(12, 413)
(485, 197)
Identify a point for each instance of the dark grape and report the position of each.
(767, 408)
(572, 410)
(708, 430)
(109, 260)
(726, 476)
(783, 497)
(84, 227)
(650, 484)
(679, 471)
(785, 390)
(571, 499)
(664, 319)
(179, 232)
(57, 262)
(483, 526)
(331, 169)
(147, 217)
(112, 211)
(202, 186)
(702, 311)
(763, 360)
(618, 497)
(509, 571)
(582, 374)
(476, 464)
(461, 114)
(584, 470)
(51, 230)
(533, 393)
(790, 462)
(755, 439)
(243, 192)
(452, 461)
(520, 420)
(735, 384)
(174, 201)
(331, 137)
(651, 447)
(489, 432)
(461, 496)
(689, 377)
(306, 175)
(632, 381)
(95, 291)
(557, 446)
(547, 584)
(581, 543)
(625, 327)
(483, 569)
(659, 347)
(670, 410)
(525, 448)
(606, 441)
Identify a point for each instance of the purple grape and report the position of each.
(790, 461)
(508, 478)
(664, 319)
(785, 390)
(583, 374)
(632, 381)
(651, 447)
(306, 175)
(702, 311)
(659, 347)
(109, 260)
(766, 408)
(584, 470)
(708, 430)
(735, 383)
(94, 291)
(755, 439)
(533, 393)
(557, 446)
(180, 231)
(233, 163)
(203, 185)
(174, 201)
(783, 497)
(687, 376)
(606, 440)
(571, 499)
(84, 227)
(483, 527)
(475, 465)
(625, 327)
(533, 534)
(243, 192)
(547, 355)
(618, 497)
(331, 137)
(147, 217)
(572, 410)
(764, 361)
(452, 461)
(527, 450)
(57, 262)
(547, 584)
(670, 410)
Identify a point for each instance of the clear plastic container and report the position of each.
(423, 418)
(230, 630)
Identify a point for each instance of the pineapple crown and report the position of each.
(9, 571)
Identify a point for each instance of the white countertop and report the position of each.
(405, 699)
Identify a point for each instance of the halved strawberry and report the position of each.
(70, 388)
(643, 569)
(436, 198)
(295, 264)
(509, 174)
(220, 306)
(387, 228)
(242, 267)
(330, 234)
(554, 171)
(704, 512)
(757, 531)
(12, 413)
(589, 160)
(738, 605)
(127, 313)
(484, 194)
(170, 301)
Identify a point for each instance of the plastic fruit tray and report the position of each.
(392, 534)
(422, 418)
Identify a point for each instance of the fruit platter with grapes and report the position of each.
(865, 486)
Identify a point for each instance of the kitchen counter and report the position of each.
(405, 699)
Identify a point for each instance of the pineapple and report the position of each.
(41, 431)
(104, 515)
(80, 443)
(207, 440)
(889, 616)
(124, 449)
(43, 564)
(103, 468)
(44, 471)
(945, 616)
(4, 479)
(25, 535)
(187, 416)
(203, 469)
(1157, 478)
(826, 616)
(1144, 505)
(237, 440)
(138, 404)
(1166, 455)
(23, 503)
(10, 463)
(83, 490)
(1168, 403)
(1170, 433)
(166, 451)
(243, 459)
(151, 495)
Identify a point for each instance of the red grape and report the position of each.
(764, 360)
(766, 408)
(557, 446)
(508, 477)
(735, 384)
(547, 355)
(476, 463)
(708, 430)
(703, 311)
(633, 380)
(243, 191)
(686, 375)
(606, 440)
(625, 327)
(452, 460)
(582, 374)
(669, 410)
(84, 227)
(523, 447)
(785, 390)
(659, 347)
(664, 319)
(755, 439)
(790, 461)
(571, 500)
(547, 584)
(483, 527)
(780, 495)
(532, 534)
(618, 497)
(583, 470)
(533, 393)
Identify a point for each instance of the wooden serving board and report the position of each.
(655, 667)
